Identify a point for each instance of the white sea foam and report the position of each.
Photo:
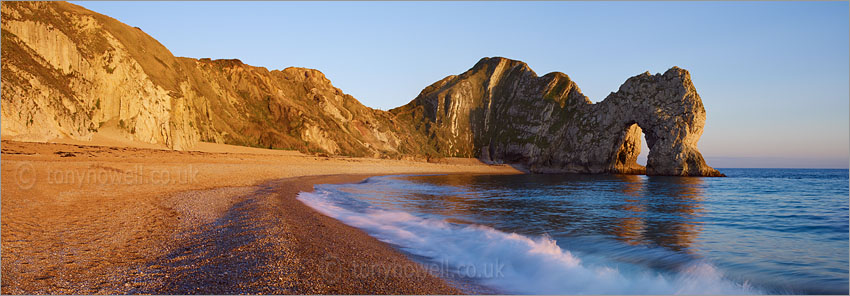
(515, 263)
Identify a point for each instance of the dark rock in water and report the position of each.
(501, 111)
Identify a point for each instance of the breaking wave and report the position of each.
(514, 263)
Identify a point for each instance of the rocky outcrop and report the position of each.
(501, 111)
(68, 72)
(667, 108)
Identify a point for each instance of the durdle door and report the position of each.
(501, 111)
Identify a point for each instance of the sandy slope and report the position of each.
(111, 219)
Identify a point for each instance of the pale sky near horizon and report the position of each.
(774, 76)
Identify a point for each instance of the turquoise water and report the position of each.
(756, 231)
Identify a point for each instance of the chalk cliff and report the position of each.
(68, 72)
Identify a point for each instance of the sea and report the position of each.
(757, 231)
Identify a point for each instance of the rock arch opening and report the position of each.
(632, 155)
(644, 152)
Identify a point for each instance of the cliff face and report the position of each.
(65, 71)
(296, 108)
(501, 111)
(69, 72)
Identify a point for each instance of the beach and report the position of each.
(81, 218)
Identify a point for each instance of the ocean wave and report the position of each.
(515, 263)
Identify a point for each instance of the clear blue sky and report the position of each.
(773, 76)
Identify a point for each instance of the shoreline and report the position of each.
(269, 242)
(400, 267)
(236, 228)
